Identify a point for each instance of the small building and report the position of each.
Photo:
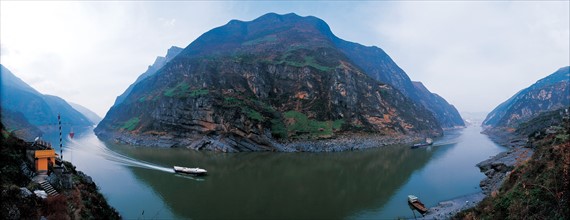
(44, 159)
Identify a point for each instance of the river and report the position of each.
(367, 184)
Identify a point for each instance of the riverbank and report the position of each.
(448, 209)
(348, 141)
(538, 187)
(496, 169)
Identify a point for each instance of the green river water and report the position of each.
(367, 184)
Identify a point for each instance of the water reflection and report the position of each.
(368, 184)
(279, 185)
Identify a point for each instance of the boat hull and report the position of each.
(190, 171)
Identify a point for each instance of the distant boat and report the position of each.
(191, 171)
(71, 133)
(428, 142)
(417, 204)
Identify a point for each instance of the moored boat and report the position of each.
(417, 204)
(427, 142)
(191, 171)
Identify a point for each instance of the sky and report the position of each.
(474, 54)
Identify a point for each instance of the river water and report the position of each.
(367, 184)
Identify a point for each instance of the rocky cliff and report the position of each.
(548, 94)
(38, 109)
(377, 64)
(258, 85)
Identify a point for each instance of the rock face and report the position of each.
(548, 94)
(377, 64)
(498, 167)
(38, 109)
(251, 86)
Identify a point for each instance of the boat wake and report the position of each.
(102, 150)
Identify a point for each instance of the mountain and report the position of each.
(446, 114)
(17, 124)
(92, 116)
(548, 94)
(39, 110)
(152, 69)
(262, 85)
(377, 64)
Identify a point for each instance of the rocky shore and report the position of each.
(496, 168)
(232, 144)
(448, 209)
(499, 166)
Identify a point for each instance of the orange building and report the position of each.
(44, 159)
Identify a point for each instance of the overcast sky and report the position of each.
(474, 54)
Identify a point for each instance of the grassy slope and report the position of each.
(540, 187)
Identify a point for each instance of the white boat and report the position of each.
(192, 171)
(427, 142)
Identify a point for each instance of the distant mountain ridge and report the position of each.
(548, 94)
(152, 69)
(244, 85)
(20, 101)
(92, 116)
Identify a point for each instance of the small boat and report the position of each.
(191, 171)
(71, 133)
(428, 142)
(417, 204)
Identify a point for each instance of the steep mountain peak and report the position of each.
(263, 34)
(247, 86)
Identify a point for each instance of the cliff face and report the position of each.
(377, 64)
(250, 86)
(548, 94)
(38, 109)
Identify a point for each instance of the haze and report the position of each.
(474, 54)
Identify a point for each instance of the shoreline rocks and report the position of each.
(499, 166)
(233, 144)
(496, 168)
(447, 209)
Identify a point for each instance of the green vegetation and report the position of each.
(278, 129)
(299, 57)
(269, 38)
(308, 61)
(300, 126)
(291, 124)
(253, 114)
(131, 124)
(232, 102)
(538, 188)
(182, 90)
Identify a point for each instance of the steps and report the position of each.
(48, 188)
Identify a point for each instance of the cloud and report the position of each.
(474, 54)
(477, 54)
